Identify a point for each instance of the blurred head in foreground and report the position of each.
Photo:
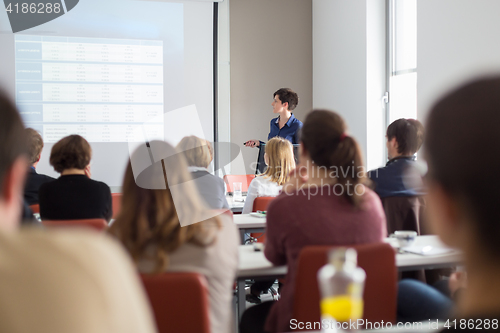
(462, 134)
(13, 163)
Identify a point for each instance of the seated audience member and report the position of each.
(280, 161)
(198, 154)
(463, 192)
(399, 183)
(397, 179)
(58, 281)
(34, 180)
(325, 203)
(158, 227)
(74, 195)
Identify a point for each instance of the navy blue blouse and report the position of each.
(290, 131)
(399, 178)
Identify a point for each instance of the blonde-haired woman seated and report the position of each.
(159, 224)
(279, 160)
(198, 154)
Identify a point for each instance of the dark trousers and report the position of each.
(262, 286)
(254, 318)
(418, 301)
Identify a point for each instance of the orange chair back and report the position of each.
(116, 203)
(35, 209)
(179, 301)
(260, 203)
(96, 224)
(380, 294)
(243, 179)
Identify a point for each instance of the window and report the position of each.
(402, 76)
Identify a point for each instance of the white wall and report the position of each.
(271, 48)
(375, 83)
(349, 68)
(224, 87)
(457, 40)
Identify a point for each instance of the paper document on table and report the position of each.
(258, 214)
(427, 250)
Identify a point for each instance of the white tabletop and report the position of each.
(254, 263)
(410, 261)
(235, 204)
(246, 221)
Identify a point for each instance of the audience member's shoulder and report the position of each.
(370, 198)
(46, 185)
(70, 281)
(102, 185)
(47, 178)
(229, 225)
(84, 246)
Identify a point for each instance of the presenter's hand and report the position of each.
(252, 143)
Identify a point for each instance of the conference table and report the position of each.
(247, 223)
(254, 265)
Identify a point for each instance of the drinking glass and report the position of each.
(237, 196)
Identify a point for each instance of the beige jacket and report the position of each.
(69, 282)
(218, 263)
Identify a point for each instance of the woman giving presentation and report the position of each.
(285, 125)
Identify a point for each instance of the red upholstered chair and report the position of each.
(116, 203)
(243, 179)
(35, 209)
(96, 224)
(179, 301)
(405, 213)
(260, 203)
(380, 295)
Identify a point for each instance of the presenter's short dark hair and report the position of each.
(287, 95)
(70, 152)
(409, 134)
(12, 137)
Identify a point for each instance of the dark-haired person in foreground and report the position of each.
(58, 281)
(286, 126)
(74, 195)
(34, 179)
(463, 195)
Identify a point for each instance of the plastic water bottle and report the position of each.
(341, 284)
